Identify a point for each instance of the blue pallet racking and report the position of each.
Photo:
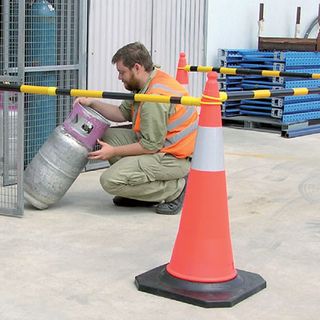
(288, 110)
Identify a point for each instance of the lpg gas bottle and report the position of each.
(62, 157)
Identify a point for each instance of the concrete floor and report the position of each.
(78, 259)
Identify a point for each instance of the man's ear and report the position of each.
(137, 67)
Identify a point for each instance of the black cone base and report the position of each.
(209, 295)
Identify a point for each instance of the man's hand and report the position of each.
(87, 102)
(109, 111)
(105, 153)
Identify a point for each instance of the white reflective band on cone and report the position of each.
(208, 154)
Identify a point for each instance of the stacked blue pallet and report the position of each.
(288, 110)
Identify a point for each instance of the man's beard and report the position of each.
(132, 84)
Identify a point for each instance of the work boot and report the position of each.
(127, 202)
(174, 206)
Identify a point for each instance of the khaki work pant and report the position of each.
(151, 177)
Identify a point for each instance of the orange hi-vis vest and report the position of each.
(182, 124)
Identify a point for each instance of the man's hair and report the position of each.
(133, 53)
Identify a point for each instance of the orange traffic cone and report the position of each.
(182, 75)
(205, 208)
(201, 270)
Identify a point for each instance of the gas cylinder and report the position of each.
(8, 160)
(41, 51)
(63, 156)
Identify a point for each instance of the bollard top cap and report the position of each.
(212, 75)
(211, 87)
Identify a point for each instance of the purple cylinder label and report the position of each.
(86, 125)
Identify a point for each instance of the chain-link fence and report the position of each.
(41, 42)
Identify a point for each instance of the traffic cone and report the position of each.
(205, 208)
(201, 270)
(182, 75)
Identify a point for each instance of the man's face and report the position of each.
(128, 77)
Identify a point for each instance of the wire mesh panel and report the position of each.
(40, 44)
(9, 153)
(52, 58)
(11, 127)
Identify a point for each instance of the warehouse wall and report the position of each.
(234, 24)
(166, 27)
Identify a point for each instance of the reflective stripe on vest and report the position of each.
(164, 87)
(208, 154)
(188, 114)
(182, 134)
(176, 123)
(182, 121)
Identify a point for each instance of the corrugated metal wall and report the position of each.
(112, 24)
(180, 25)
(166, 27)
